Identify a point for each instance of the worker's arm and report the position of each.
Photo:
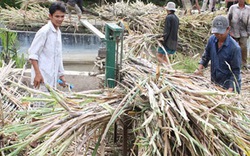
(199, 70)
(38, 76)
(204, 59)
(167, 29)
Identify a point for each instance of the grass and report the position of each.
(187, 64)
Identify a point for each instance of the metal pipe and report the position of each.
(93, 29)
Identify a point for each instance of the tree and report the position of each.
(12, 3)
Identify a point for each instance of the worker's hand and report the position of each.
(38, 80)
(231, 34)
(230, 90)
(161, 40)
(198, 72)
(63, 80)
(159, 36)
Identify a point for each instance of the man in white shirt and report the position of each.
(45, 52)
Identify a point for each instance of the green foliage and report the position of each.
(187, 64)
(8, 43)
(10, 48)
(20, 60)
(12, 3)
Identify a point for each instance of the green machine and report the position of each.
(113, 36)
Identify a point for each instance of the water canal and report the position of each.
(79, 50)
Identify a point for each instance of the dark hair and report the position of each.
(172, 11)
(57, 6)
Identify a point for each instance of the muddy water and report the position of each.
(79, 50)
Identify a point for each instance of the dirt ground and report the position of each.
(245, 84)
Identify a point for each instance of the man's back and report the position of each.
(171, 31)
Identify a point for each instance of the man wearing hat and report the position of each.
(225, 55)
(170, 35)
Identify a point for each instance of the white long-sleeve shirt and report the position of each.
(239, 20)
(46, 48)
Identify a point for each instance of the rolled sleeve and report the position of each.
(33, 57)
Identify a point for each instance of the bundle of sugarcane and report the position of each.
(183, 114)
(75, 121)
(137, 17)
(140, 19)
(26, 3)
(33, 16)
(144, 46)
(13, 18)
(53, 130)
(194, 31)
(10, 96)
(173, 113)
(122, 9)
(75, 128)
